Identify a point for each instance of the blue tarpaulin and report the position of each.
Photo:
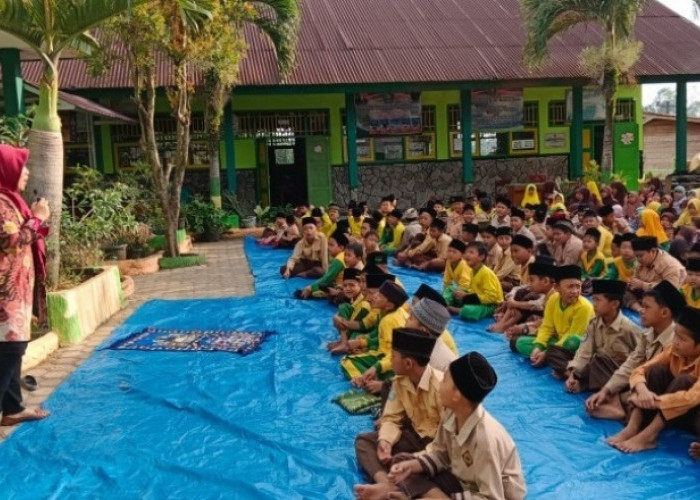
(131, 424)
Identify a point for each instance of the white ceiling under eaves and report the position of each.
(8, 41)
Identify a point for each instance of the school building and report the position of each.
(414, 98)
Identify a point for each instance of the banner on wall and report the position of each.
(497, 109)
(593, 105)
(397, 113)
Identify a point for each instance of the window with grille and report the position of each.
(531, 114)
(252, 124)
(428, 118)
(624, 110)
(557, 113)
(453, 117)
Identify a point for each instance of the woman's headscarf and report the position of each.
(531, 197)
(595, 192)
(686, 218)
(654, 205)
(558, 203)
(650, 225)
(12, 161)
(618, 211)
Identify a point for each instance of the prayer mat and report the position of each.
(357, 402)
(161, 339)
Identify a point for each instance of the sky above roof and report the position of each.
(686, 9)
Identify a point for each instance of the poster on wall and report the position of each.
(593, 105)
(378, 114)
(497, 109)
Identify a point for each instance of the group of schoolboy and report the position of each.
(527, 267)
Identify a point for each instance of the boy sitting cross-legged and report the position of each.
(566, 317)
(370, 367)
(411, 415)
(484, 292)
(659, 306)
(506, 269)
(609, 339)
(457, 273)
(665, 390)
(333, 275)
(472, 455)
(350, 313)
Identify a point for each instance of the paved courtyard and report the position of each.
(226, 273)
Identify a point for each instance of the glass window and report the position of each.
(557, 113)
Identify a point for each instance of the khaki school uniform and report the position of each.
(316, 251)
(664, 267)
(570, 253)
(494, 255)
(480, 455)
(506, 269)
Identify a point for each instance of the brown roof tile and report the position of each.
(370, 41)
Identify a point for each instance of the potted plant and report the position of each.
(204, 219)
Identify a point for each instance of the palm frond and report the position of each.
(195, 12)
(279, 20)
(24, 20)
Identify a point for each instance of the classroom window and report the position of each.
(453, 118)
(256, 124)
(624, 110)
(531, 114)
(557, 113)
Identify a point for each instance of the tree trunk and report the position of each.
(609, 89)
(215, 94)
(46, 166)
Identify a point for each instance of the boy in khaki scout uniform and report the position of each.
(665, 389)
(567, 246)
(431, 254)
(472, 454)
(609, 339)
(411, 415)
(659, 306)
(653, 265)
(310, 256)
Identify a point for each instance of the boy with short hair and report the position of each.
(517, 224)
(310, 256)
(367, 369)
(370, 242)
(430, 255)
(659, 306)
(333, 275)
(411, 415)
(691, 288)
(484, 292)
(393, 232)
(654, 265)
(291, 235)
(355, 221)
(590, 220)
(592, 259)
(501, 210)
(472, 454)
(507, 271)
(330, 219)
(609, 339)
(567, 246)
(494, 250)
(565, 320)
(353, 312)
(616, 225)
(386, 205)
(457, 273)
(622, 267)
(470, 232)
(666, 389)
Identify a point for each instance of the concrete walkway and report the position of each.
(226, 273)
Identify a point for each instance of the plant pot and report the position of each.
(248, 222)
(135, 252)
(115, 252)
(230, 221)
(211, 234)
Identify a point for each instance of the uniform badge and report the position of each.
(467, 458)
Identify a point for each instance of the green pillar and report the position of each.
(576, 131)
(351, 134)
(681, 126)
(230, 148)
(465, 120)
(12, 84)
(97, 145)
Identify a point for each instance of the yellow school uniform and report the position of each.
(328, 226)
(485, 284)
(562, 322)
(621, 270)
(594, 267)
(606, 238)
(355, 226)
(458, 275)
(691, 298)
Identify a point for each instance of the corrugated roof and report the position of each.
(424, 41)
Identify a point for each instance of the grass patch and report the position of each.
(184, 260)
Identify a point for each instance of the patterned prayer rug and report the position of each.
(357, 402)
(161, 339)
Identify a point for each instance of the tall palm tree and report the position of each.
(49, 27)
(545, 19)
(279, 21)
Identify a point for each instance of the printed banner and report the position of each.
(388, 114)
(497, 109)
(593, 105)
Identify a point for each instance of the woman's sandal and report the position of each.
(25, 416)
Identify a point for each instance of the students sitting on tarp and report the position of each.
(355, 219)
(484, 293)
(393, 232)
(370, 367)
(430, 255)
(271, 235)
(330, 220)
(432, 317)
(351, 313)
(291, 235)
(412, 228)
(653, 265)
(565, 320)
(364, 327)
(507, 271)
(386, 205)
(310, 256)
(411, 414)
(659, 306)
(457, 273)
(665, 389)
(472, 455)
(494, 250)
(333, 275)
(609, 340)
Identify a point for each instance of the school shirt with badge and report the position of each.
(673, 404)
(481, 455)
(664, 267)
(616, 341)
(649, 346)
(420, 404)
(562, 322)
